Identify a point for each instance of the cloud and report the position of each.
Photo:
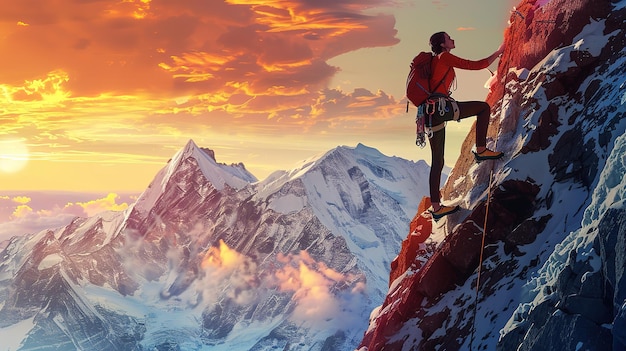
(107, 47)
(21, 199)
(225, 269)
(82, 72)
(22, 211)
(24, 221)
(108, 203)
(323, 297)
(21, 214)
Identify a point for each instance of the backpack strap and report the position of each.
(428, 91)
(442, 79)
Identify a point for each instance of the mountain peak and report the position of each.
(192, 148)
(192, 156)
(219, 174)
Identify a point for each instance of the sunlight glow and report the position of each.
(13, 155)
(223, 257)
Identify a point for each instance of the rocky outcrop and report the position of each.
(586, 299)
(413, 246)
(451, 264)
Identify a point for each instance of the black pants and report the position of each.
(481, 110)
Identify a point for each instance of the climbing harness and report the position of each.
(436, 105)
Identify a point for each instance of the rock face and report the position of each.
(552, 231)
(210, 258)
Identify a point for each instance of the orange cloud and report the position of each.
(227, 270)
(222, 258)
(255, 48)
(314, 287)
(320, 293)
(131, 45)
(130, 81)
(108, 203)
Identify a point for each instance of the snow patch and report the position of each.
(522, 74)
(592, 38)
(245, 335)
(50, 261)
(288, 204)
(611, 189)
(12, 336)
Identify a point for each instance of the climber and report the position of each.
(440, 108)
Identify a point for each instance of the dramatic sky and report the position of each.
(97, 95)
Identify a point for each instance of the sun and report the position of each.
(13, 155)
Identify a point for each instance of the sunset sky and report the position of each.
(97, 95)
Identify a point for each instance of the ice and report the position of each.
(609, 193)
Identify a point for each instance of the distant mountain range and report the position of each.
(210, 258)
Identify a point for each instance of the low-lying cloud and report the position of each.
(323, 296)
(31, 213)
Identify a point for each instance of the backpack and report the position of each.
(418, 91)
(418, 81)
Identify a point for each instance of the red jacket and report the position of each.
(445, 61)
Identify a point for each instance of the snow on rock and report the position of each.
(288, 204)
(580, 259)
(50, 261)
(356, 191)
(13, 335)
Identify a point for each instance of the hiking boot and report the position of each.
(487, 155)
(443, 211)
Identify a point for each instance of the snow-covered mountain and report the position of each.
(209, 258)
(551, 276)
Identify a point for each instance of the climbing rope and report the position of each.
(514, 12)
(482, 251)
